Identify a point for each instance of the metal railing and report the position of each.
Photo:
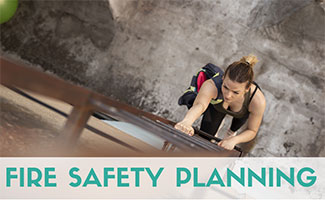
(85, 103)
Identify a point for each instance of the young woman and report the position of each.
(233, 92)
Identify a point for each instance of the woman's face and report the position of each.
(232, 90)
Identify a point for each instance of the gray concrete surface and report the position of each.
(144, 53)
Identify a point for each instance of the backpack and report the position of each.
(207, 72)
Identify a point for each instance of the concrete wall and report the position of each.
(145, 52)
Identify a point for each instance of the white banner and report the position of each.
(162, 178)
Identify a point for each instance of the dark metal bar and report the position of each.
(76, 122)
(182, 135)
(24, 94)
(128, 117)
(199, 141)
(213, 138)
(202, 141)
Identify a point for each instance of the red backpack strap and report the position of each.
(200, 79)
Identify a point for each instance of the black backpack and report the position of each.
(205, 73)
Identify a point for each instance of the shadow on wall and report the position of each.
(57, 34)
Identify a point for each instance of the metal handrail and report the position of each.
(86, 102)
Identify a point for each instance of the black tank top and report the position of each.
(218, 102)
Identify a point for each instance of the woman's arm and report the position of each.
(256, 108)
(207, 91)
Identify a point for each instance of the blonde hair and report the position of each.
(242, 71)
(250, 59)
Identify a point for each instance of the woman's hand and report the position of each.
(207, 92)
(228, 143)
(185, 127)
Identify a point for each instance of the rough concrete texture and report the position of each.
(145, 52)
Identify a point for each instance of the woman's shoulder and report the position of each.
(210, 84)
(211, 88)
(258, 101)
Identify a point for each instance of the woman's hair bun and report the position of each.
(250, 59)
